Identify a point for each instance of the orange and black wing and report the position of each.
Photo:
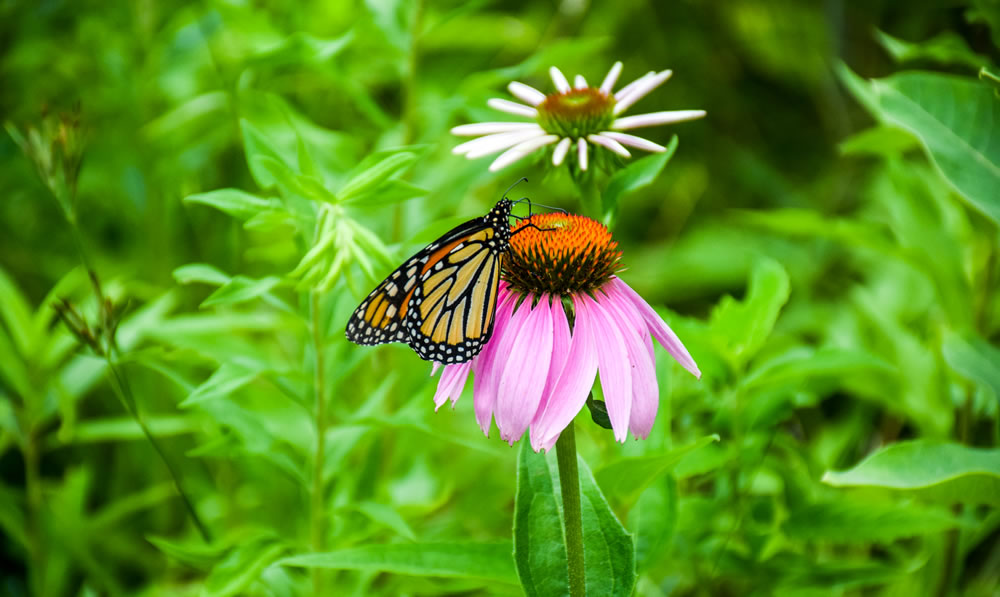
(451, 313)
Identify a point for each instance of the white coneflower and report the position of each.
(571, 118)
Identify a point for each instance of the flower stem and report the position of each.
(317, 522)
(590, 196)
(124, 391)
(569, 484)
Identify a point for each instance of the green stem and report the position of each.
(33, 488)
(124, 392)
(317, 518)
(569, 484)
(590, 196)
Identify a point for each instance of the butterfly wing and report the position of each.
(451, 313)
(381, 316)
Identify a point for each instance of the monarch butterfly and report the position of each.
(441, 301)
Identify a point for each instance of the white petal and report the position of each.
(488, 128)
(581, 153)
(579, 82)
(559, 80)
(520, 150)
(612, 78)
(526, 93)
(477, 148)
(628, 88)
(633, 141)
(639, 91)
(559, 153)
(656, 118)
(512, 107)
(610, 143)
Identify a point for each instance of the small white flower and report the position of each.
(580, 113)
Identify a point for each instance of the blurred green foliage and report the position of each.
(826, 241)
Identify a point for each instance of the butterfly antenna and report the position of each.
(511, 187)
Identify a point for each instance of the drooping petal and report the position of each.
(579, 82)
(490, 144)
(613, 363)
(521, 150)
(658, 328)
(524, 374)
(645, 389)
(581, 153)
(559, 80)
(512, 107)
(451, 384)
(656, 118)
(612, 78)
(484, 391)
(569, 392)
(633, 141)
(609, 143)
(526, 93)
(560, 348)
(488, 128)
(640, 90)
(434, 367)
(559, 153)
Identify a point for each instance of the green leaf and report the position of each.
(387, 516)
(368, 179)
(936, 471)
(200, 272)
(975, 359)
(945, 48)
(487, 561)
(956, 120)
(623, 480)
(638, 174)
(653, 520)
(15, 314)
(849, 521)
(240, 289)
(878, 140)
(196, 552)
(241, 567)
(237, 203)
(257, 146)
(227, 379)
(126, 428)
(539, 546)
(745, 325)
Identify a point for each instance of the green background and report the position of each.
(825, 243)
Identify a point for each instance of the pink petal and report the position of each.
(569, 393)
(524, 374)
(659, 328)
(451, 384)
(484, 391)
(645, 390)
(614, 364)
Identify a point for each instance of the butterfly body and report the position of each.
(442, 300)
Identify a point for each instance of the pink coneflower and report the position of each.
(571, 118)
(562, 316)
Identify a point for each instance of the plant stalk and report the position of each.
(569, 485)
(317, 516)
(124, 391)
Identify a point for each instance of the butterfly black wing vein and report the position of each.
(442, 300)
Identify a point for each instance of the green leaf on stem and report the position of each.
(539, 545)
(638, 174)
